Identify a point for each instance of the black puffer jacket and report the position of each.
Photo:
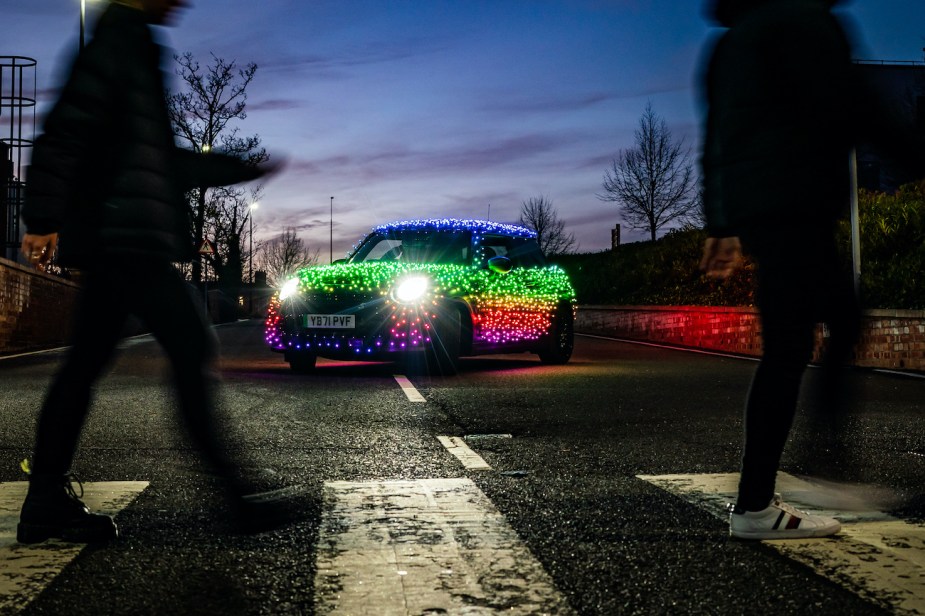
(781, 97)
(106, 172)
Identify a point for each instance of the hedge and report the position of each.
(664, 272)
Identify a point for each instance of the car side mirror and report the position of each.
(338, 261)
(501, 265)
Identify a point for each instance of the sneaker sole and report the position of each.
(36, 533)
(796, 533)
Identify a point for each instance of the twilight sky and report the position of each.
(414, 108)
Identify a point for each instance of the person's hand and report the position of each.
(721, 256)
(39, 249)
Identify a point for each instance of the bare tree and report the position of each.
(202, 116)
(228, 212)
(283, 255)
(698, 215)
(538, 214)
(653, 183)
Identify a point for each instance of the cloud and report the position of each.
(601, 162)
(564, 103)
(548, 103)
(467, 158)
(320, 166)
(337, 63)
(606, 214)
(278, 104)
(479, 206)
(492, 155)
(294, 219)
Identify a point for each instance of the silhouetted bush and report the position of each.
(892, 248)
(664, 272)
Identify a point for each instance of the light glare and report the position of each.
(289, 289)
(411, 288)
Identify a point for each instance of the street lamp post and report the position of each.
(83, 20)
(83, 23)
(250, 260)
(331, 257)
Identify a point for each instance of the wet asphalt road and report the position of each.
(566, 480)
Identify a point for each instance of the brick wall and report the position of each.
(35, 308)
(893, 339)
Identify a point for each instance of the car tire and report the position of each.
(561, 340)
(302, 363)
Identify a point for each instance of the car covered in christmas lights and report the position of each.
(427, 292)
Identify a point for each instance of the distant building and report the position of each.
(902, 84)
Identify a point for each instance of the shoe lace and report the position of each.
(69, 480)
(783, 506)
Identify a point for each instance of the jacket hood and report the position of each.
(727, 13)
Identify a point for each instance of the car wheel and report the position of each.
(302, 363)
(562, 337)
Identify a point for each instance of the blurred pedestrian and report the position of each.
(107, 175)
(779, 91)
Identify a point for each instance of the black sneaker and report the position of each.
(53, 510)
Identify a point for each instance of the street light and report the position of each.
(83, 20)
(250, 261)
(332, 231)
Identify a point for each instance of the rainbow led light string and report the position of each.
(508, 308)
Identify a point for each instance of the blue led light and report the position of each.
(457, 224)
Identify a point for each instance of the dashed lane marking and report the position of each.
(463, 453)
(413, 394)
(430, 546)
(875, 555)
(25, 570)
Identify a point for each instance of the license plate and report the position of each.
(329, 321)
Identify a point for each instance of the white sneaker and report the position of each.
(780, 521)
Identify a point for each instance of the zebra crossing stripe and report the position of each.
(430, 546)
(875, 555)
(25, 570)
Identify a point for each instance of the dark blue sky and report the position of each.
(407, 108)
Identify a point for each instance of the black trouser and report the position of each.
(801, 282)
(153, 291)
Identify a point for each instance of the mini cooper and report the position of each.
(427, 292)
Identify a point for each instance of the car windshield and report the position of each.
(415, 246)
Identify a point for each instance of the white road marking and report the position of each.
(413, 394)
(25, 570)
(876, 556)
(463, 453)
(430, 546)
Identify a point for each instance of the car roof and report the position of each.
(457, 224)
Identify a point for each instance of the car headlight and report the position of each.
(410, 289)
(290, 288)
